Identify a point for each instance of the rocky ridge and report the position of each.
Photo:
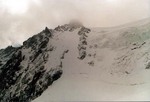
(24, 75)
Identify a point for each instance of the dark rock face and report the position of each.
(25, 72)
(148, 66)
(37, 39)
(9, 70)
(5, 54)
(83, 43)
(24, 76)
(57, 75)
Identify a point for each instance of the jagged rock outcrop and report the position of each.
(24, 76)
(5, 54)
(82, 42)
(31, 68)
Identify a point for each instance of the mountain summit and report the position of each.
(75, 23)
(97, 63)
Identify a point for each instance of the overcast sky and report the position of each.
(20, 19)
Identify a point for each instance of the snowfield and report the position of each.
(103, 64)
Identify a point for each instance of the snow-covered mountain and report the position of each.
(91, 64)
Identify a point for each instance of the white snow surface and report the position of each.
(118, 72)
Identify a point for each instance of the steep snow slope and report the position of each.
(103, 64)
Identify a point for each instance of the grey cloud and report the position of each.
(15, 28)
